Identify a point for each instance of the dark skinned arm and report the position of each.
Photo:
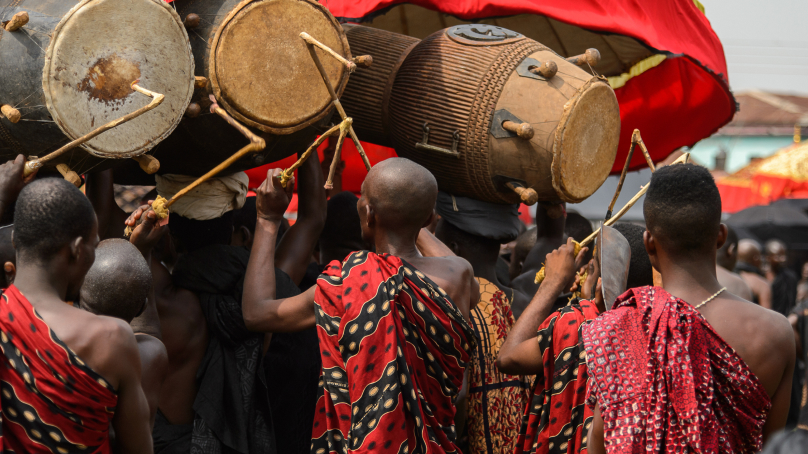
(262, 312)
(297, 245)
(131, 420)
(11, 183)
(145, 237)
(595, 443)
(520, 354)
(101, 192)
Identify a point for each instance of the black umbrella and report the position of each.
(769, 222)
(798, 204)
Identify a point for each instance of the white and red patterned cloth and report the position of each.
(667, 382)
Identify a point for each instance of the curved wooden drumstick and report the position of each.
(636, 139)
(32, 166)
(685, 158)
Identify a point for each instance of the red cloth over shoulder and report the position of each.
(51, 400)
(394, 349)
(666, 381)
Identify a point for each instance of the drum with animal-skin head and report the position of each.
(69, 70)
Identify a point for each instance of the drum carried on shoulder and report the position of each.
(92, 80)
(493, 114)
(250, 56)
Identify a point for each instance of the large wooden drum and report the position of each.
(69, 70)
(254, 62)
(470, 103)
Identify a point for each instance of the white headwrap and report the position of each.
(209, 200)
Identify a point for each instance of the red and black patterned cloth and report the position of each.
(666, 381)
(557, 418)
(394, 349)
(51, 400)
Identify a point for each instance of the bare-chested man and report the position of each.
(726, 259)
(393, 330)
(71, 373)
(749, 268)
(119, 284)
(687, 367)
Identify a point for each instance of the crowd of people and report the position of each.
(402, 320)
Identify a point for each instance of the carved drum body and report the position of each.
(453, 101)
(258, 68)
(69, 70)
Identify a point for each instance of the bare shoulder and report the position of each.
(152, 352)
(111, 348)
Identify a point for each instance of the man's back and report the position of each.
(734, 283)
(761, 289)
(453, 274)
(67, 374)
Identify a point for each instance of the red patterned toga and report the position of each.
(51, 400)
(557, 418)
(667, 382)
(394, 349)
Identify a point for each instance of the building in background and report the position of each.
(765, 123)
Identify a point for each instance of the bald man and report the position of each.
(393, 325)
(725, 260)
(748, 267)
(119, 285)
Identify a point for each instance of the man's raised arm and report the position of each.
(297, 245)
(262, 312)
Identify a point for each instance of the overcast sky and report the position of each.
(765, 42)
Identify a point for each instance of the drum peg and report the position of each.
(11, 113)
(548, 69)
(523, 130)
(17, 21)
(148, 163)
(527, 195)
(363, 61)
(200, 82)
(69, 175)
(193, 110)
(191, 21)
(591, 56)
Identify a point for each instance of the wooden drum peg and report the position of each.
(591, 56)
(17, 21)
(191, 21)
(200, 82)
(148, 163)
(363, 61)
(193, 110)
(523, 130)
(69, 175)
(527, 195)
(548, 69)
(11, 113)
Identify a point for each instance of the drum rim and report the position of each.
(217, 92)
(556, 168)
(54, 113)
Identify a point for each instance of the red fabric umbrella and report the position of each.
(670, 79)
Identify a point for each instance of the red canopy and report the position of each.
(675, 103)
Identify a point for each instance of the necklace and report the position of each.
(711, 298)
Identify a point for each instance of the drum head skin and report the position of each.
(98, 49)
(586, 141)
(261, 70)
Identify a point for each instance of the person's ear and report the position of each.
(75, 249)
(10, 271)
(455, 248)
(722, 236)
(370, 216)
(649, 242)
(429, 220)
(246, 236)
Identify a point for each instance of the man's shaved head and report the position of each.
(119, 281)
(749, 252)
(401, 193)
